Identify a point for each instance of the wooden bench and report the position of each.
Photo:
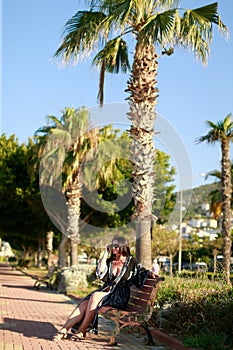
(138, 311)
(47, 280)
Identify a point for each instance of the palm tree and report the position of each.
(69, 139)
(72, 154)
(153, 23)
(222, 131)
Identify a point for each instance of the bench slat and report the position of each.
(135, 300)
(150, 282)
(147, 289)
(140, 294)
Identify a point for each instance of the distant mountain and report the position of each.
(200, 196)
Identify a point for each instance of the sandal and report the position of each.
(59, 336)
(78, 336)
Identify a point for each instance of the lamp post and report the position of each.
(180, 234)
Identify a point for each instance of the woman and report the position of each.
(118, 272)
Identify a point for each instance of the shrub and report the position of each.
(196, 310)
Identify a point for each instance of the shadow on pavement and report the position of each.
(34, 329)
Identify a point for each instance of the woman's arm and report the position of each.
(102, 266)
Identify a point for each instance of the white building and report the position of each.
(6, 250)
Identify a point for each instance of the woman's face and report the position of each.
(115, 246)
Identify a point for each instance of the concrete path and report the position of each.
(29, 318)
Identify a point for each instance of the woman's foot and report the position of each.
(60, 335)
(78, 336)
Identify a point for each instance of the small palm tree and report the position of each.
(222, 132)
(76, 155)
(68, 140)
(153, 24)
(215, 195)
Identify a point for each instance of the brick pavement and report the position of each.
(30, 317)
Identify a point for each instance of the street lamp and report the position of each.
(180, 233)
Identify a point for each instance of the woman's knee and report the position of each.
(96, 297)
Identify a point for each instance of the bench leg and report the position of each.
(112, 341)
(116, 330)
(150, 340)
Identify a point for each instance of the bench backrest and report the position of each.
(51, 271)
(143, 299)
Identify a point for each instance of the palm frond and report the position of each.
(218, 131)
(115, 56)
(81, 34)
(228, 122)
(160, 26)
(119, 13)
(196, 29)
(215, 173)
(112, 59)
(211, 124)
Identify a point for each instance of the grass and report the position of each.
(208, 341)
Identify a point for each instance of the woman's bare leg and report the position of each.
(76, 316)
(90, 310)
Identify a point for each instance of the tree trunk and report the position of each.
(62, 251)
(35, 262)
(141, 87)
(226, 207)
(74, 196)
(215, 253)
(40, 251)
(49, 248)
(143, 240)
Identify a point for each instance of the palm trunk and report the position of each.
(74, 196)
(49, 247)
(142, 100)
(62, 251)
(215, 253)
(226, 207)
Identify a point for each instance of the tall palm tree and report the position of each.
(222, 131)
(69, 139)
(153, 23)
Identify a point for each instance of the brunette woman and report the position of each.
(118, 271)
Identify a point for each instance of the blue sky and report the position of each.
(33, 86)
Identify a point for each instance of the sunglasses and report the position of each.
(111, 246)
(115, 245)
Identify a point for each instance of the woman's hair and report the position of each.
(123, 245)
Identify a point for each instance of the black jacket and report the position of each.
(132, 273)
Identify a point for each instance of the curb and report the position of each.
(169, 340)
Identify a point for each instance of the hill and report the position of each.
(200, 196)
